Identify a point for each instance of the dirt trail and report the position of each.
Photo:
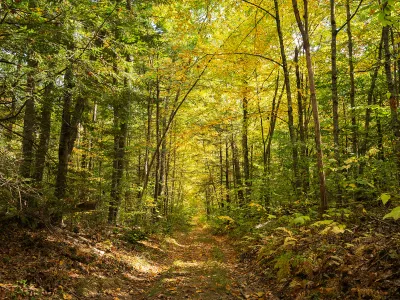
(199, 265)
(60, 264)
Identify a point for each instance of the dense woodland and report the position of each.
(275, 122)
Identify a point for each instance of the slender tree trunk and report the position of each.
(10, 126)
(227, 185)
(148, 137)
(304, 173)
(335, 98)
(276, 101)
(292, 133)
(395, 64)
(318, 142)
(163, 160)
(221, 175)
(245, 150)
(65, 138)
(68, 134)
(392, 97)
(45, 126)
(121, 128)
(121, 116)
(381, 153)
(354, 129)
(29, 124)
(157, 174)
(370, 100)
(173, 179)
(237, 173)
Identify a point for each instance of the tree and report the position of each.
(304, 30)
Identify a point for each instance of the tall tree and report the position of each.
(304, 30)
(286, 75)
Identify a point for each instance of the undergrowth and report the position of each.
(346, 252)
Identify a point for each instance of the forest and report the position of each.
(199, 149)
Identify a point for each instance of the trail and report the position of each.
(199, 265)
(189, 264)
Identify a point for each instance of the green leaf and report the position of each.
(323, 222)
(395, 213)
(301, 220)
(385, 198)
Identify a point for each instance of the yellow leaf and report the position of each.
(260, 294)
(67, 296)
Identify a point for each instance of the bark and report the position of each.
(65, 137)
(163, 160)
(237, 173)
(381, 153)
(292, 133)
(13, 109)
(69, 130)
(276, 101)
(395, 64)
(121, 112)
(227, 185)
(221, 175)
(29, 124)
(304, 173)
(45, 126)
(245, 150)
(335, 98)
(148, 140)
(334, 89)
(392, 97)
(157, 172)
(121, 129)
(370, 100)
(318, 142)
(354, 131)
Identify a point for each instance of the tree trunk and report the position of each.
(318, 142)
(68, 134)
(227, 185)
(335, 98)
(354, 131)
(121, 129)
(29, 124)
(45, 126)
(157, 173)
(65, 136)
(237, 173)
(304, 173)
(392, 97)
(370, 101)
(292, 133)
(121, 116)
(245, 150)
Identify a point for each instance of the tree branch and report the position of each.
(352, 16)
(259, 7)
(250, 54)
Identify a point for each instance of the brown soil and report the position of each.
(63, 265)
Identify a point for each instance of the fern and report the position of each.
(283, 264)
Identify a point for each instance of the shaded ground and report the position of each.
(202, 266)
(101, 265)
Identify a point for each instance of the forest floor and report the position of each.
(60, 264)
